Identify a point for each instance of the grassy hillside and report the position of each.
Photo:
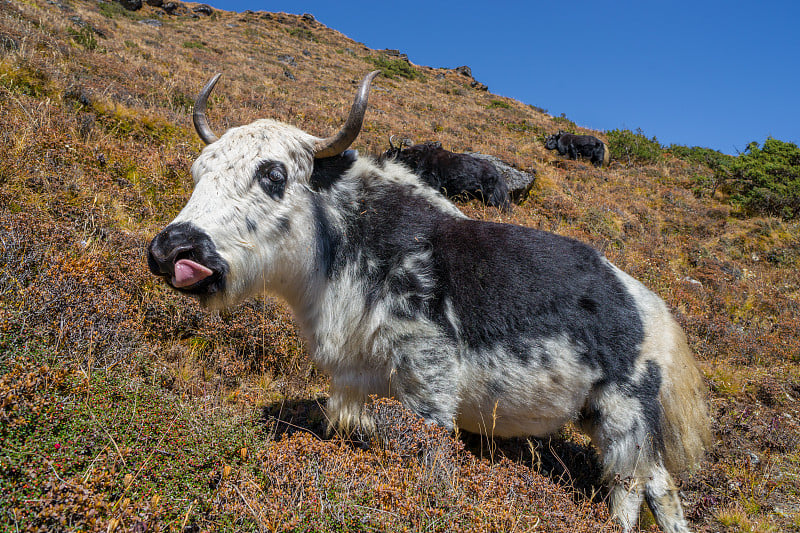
(124, 407)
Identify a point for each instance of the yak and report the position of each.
(579, 145)
(455, 175)
(489, 327)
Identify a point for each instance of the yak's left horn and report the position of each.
(199, 115)
(338, 143)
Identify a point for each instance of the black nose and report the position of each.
(185, 241)
(170, 244)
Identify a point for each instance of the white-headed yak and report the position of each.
(468, 323)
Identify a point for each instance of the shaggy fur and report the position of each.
(579, 145)
(484, 326)
(454, 175)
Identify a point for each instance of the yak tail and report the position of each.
(606, 155)
(686, 423)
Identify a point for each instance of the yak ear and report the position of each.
(329, 170)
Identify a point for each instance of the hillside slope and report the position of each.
(126, 407)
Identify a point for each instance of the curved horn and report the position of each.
(199, 115)
(390, 142)
(338, 143)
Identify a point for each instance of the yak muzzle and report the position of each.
(185, 256)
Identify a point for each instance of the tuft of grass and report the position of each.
(112, 9)
(20, 77)
(195, 44)
(302, 33)
(564, 123)
(498, 104)
(396, 67)
(85, 37)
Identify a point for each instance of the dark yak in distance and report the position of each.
(579, 145)
(453, 174)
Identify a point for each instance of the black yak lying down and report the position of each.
(579, 145)
(453, 174)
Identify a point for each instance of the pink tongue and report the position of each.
(188, 273)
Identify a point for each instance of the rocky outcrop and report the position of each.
(519, 182)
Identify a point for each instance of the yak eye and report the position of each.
(271, 176)
(276, 174)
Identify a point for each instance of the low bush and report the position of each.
(633, 146)
(766, 180)
(396, 67)
(714, 167)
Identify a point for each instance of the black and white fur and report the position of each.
(484, 326)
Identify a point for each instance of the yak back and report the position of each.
(454, 174)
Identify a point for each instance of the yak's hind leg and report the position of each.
(625, 421)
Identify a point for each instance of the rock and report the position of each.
(154, 3)
(289, 75)
(130, 5)
(151, 22)
(174, 8)
(396, 53)
(464, 71)
(478, 85)
(519, 182)
(308, 17)
(286, 59)
(204, 9)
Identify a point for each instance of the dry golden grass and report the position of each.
(125, 406)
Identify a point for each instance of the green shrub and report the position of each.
(498, 104)
(396, 67)
(84, 37)
(523, 127)
(302, 33)
(22, 78)
(717, 167)
(565, 123)
(115, 9)
(630, 146)
(702, 156)
(766, 180)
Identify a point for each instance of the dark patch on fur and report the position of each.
(495, 388)
(326, 239)
(647, 392)
(590, 415)
(588, 303)
(453, 174)
(271, 177)
(499, 297)
(284, 225)
(328, 170)
(251, 225)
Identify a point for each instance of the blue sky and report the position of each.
(712, 74)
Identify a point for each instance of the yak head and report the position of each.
(239, 234)
(551, 142)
